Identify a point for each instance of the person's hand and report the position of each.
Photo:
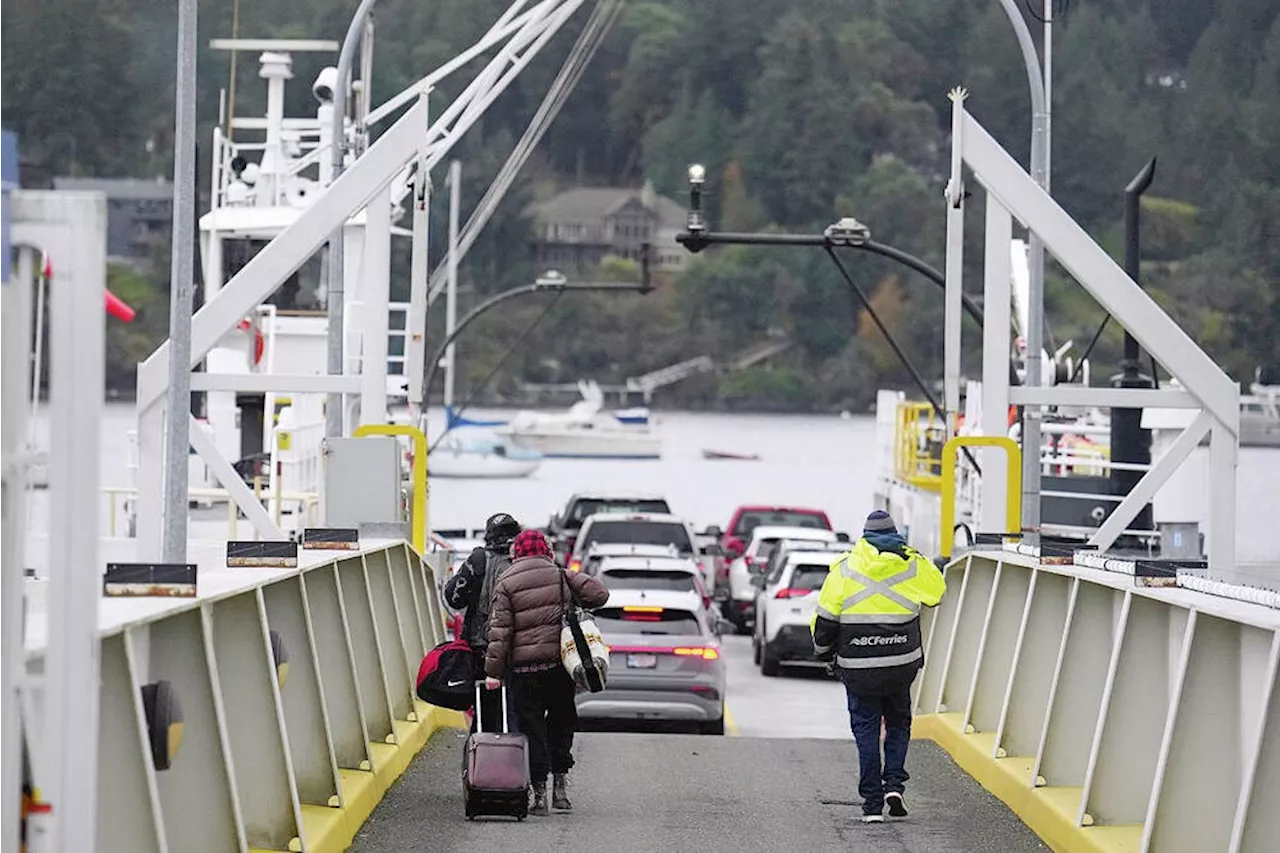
(491, 683)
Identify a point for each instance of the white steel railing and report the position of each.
(1107, 713)
(302, 507)
(294, 690)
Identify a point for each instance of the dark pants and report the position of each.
(548, 718)
(866, 711)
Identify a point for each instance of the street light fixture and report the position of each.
(697, 177)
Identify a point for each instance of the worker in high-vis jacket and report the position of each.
(867, 624)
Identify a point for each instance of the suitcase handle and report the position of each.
(479, 721)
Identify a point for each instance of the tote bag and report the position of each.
(582, 647)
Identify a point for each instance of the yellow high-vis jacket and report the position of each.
(868, 615)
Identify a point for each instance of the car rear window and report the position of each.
(809, 576)
(611, 532)
(647, 620)
(591, 506)
(648, 579)
(749, 521)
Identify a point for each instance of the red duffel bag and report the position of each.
(446, 677)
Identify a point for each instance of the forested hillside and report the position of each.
(802, 112)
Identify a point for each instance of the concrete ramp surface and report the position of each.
(677, 792)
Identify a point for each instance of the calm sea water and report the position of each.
(819, 461)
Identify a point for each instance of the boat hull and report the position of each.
(447, 463)
(587, 445)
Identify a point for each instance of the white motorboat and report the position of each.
(586, 431)
(463, 456)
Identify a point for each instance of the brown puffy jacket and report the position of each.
(528, 612)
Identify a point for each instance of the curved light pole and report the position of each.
(552, 282)
(1040, 148)
(335, 284)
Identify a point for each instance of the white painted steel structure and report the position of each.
(1011, 193)
(1150, 712)
(411, 138)
(71, 228)
(262, 764)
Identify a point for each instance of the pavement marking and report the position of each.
(730, 724)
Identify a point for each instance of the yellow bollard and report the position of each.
(1013, 501)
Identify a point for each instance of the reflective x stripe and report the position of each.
(877, 663)
(822, 650)
(871, 586)
(877, 618)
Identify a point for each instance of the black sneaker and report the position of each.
(897, 808)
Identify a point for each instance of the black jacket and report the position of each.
(462, 592)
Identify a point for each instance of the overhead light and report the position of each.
(697, 174)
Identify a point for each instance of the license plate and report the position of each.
(642, 661)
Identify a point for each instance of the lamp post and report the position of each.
(845, 233)
(551, 281)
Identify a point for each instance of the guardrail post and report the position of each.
(418, 517)
(1013, 485)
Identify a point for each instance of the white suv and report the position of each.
(638, 528)
(784, 607)
(742, 592)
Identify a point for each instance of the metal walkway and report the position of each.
(784, 777)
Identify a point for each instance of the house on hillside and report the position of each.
(139, 213)
(579, 227)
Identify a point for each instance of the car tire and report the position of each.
(755, 650)
(770, 666)
(712, 727)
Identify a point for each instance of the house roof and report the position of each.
(117, 188)
(589, 203)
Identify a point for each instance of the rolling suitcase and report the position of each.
(495, 769)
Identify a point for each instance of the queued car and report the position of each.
(784, 605)
(742, 594)
(640, 528)
(665, 661)
(563, 527)
(589, 563)
(735, 537)
(649, 573)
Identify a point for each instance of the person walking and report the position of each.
(524, 647)
(471, 590)
(867, 624)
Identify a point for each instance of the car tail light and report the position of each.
(793, 593)
(575, 565)
(697, 652)
(706, 601)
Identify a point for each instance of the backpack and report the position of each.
(446, 677)
(495, 565)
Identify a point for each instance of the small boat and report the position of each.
(466, 457)
(724, 454)
(586, 431)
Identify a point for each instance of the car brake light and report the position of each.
(641, 608)
(575, 565)
(697, 651)
(792, 593)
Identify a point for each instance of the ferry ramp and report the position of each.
(1060, 707)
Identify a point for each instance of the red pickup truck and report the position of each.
(746, 518)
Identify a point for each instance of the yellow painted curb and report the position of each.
(1049, 812)
(329, 829)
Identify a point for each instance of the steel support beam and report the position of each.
(72, 227)
(375, 296)
(1146, 488)
(954, 287)
(275, 383)
(1101, 276)
(995, 362)
(1078, 395)
(234, 484)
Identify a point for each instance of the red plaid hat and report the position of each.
(531, 543)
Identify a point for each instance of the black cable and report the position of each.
(915, 375)
(1076, 371)
(514, 346)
